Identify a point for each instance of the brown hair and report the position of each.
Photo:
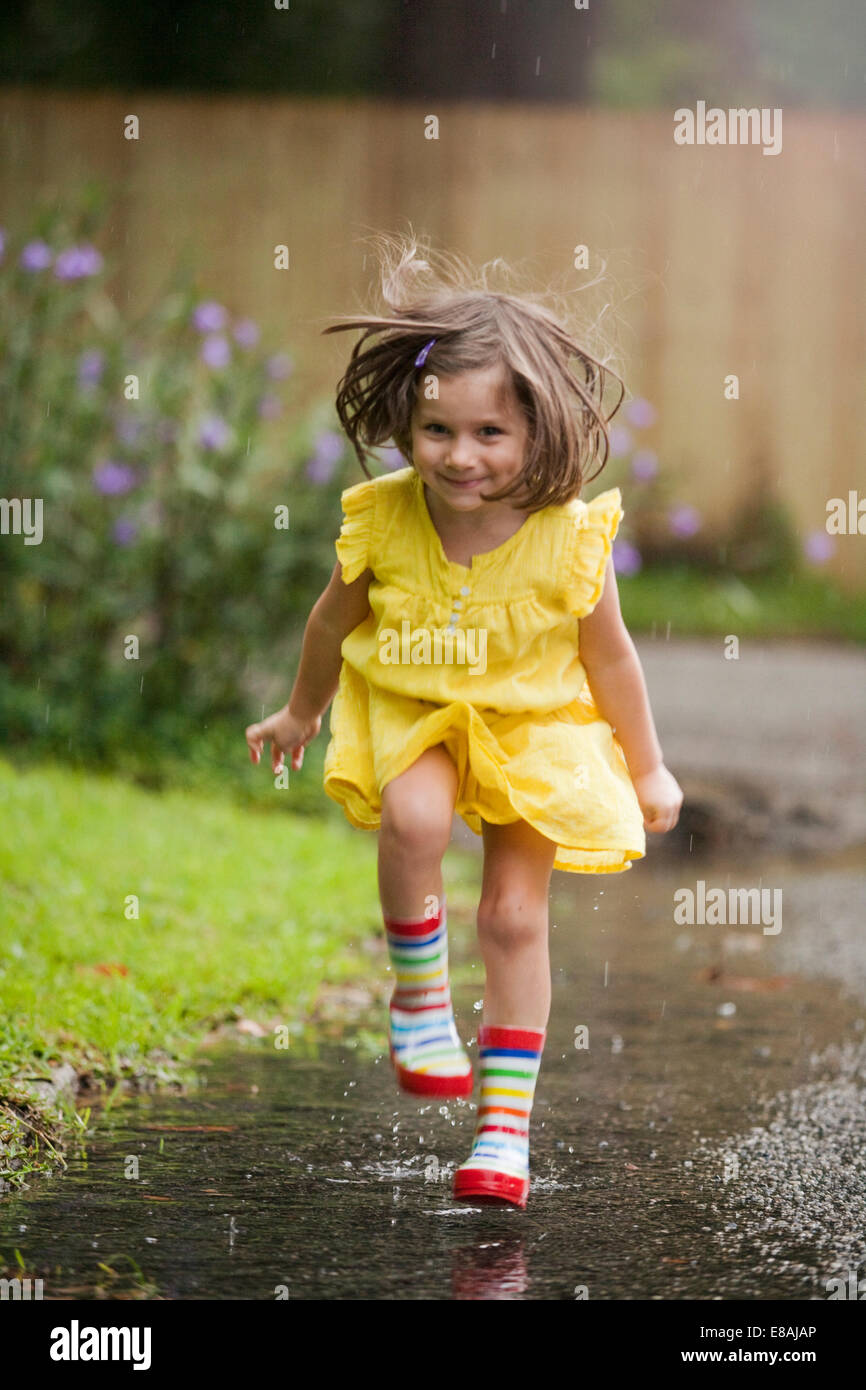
(474, 327)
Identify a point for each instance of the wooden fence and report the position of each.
(720, 260)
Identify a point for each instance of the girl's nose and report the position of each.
(460, 454)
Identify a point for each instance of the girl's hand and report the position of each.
(660, 797)
(286, 733)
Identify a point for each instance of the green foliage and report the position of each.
(663, 53)
(677, 599)
(159, 514)
(789, 53)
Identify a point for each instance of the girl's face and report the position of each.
(471, 440)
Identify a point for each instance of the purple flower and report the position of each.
(644, 465)
(214, 433)
(209, 317)
(113, 479)
(279, 366)
(620, 441)
(124, 532)
(626, 558)
(330, 446)
(246, 333)
(91, 365)
(640, 413)
(77, 262)
(818, 547)
(36, 255)
(684, 519)
(270, 407)
(215, 351)
(393, 459)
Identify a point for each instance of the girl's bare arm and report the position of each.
(336, 613)
(617, 684)
(616, 680)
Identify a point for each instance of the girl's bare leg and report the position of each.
(513, 924)
(417, 812)
(512, 934)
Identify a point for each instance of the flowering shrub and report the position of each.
(164, 565)
(661, 527)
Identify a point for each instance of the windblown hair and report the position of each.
(474, 328)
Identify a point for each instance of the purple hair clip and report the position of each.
(422, 355)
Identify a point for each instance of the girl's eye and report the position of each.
(433, 425)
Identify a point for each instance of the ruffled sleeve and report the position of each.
(354, 541)
(595, 526)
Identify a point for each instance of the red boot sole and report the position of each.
(494, 1187)
(421, 1085)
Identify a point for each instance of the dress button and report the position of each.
(454, 617)
(465, 589)
(458, 603)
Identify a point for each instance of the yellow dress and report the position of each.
(483, 659)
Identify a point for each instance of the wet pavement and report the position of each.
(770, 748)
(708, 1143)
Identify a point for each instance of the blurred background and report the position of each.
(165, 388)
(170, 479)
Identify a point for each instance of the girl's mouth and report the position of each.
(464, 483)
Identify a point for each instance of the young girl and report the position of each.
(472, 641)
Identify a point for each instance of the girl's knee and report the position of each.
(509, 921)
(418, 806)
(418, 826)
(415, 831)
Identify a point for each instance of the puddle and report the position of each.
(314, 1176)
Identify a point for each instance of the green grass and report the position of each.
(700, 604)
(236, 910)
(240, 913)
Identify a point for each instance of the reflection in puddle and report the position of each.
(493, 1269)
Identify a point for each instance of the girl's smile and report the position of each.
(470, 441)
(464, 482)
